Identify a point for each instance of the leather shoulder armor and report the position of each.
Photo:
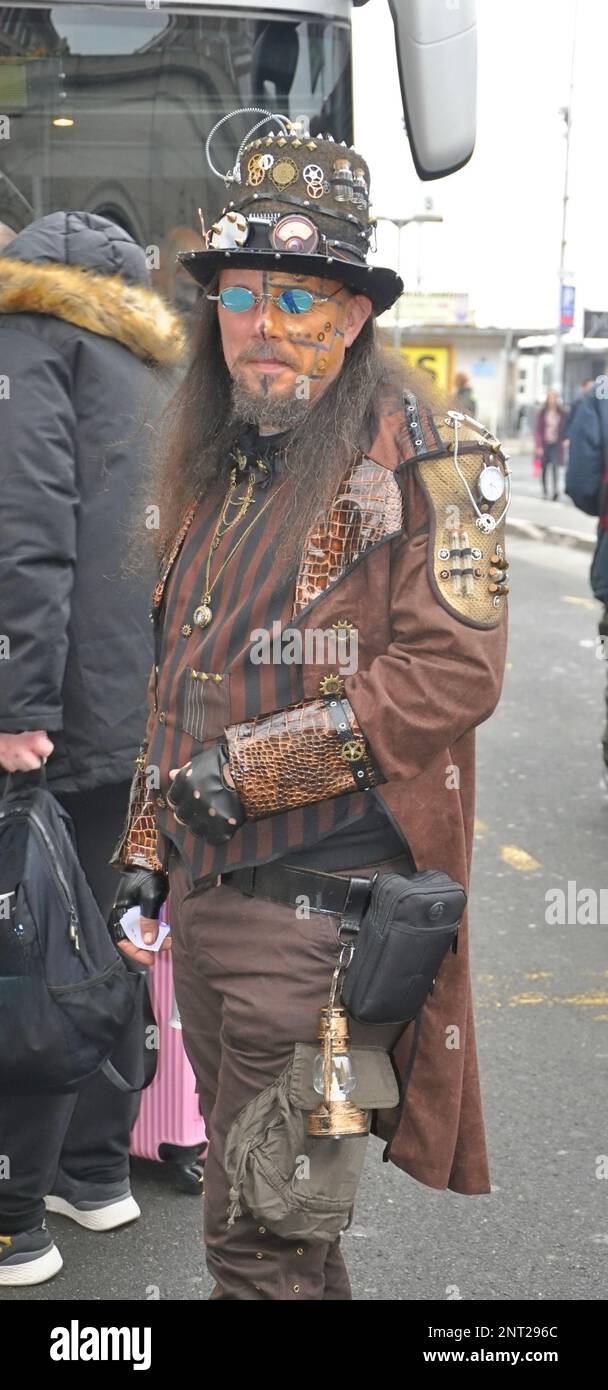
(467, 482)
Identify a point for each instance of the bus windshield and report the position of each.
(109, 109)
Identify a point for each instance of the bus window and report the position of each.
(109, 109)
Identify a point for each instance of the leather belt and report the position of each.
(343, 897)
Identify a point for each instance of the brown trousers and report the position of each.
(250, 980)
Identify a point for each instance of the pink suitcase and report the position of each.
(169, 1127)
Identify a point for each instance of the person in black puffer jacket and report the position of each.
(87, 358)
(587, 485)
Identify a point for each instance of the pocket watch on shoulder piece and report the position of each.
(492, 483)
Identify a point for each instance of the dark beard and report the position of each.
(255, 408)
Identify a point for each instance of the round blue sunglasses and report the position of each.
(295, 301)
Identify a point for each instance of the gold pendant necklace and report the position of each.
(203, 614)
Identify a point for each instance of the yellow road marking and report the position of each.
(517, 999)
(518, 858)
(601, 1000)
(595, 1000)
(583, 602)
(479, 826)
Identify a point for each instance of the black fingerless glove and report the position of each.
(202, 801)
(143, 888)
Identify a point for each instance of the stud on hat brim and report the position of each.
(379, 283)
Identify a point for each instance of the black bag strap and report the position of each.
(406, 1078)
(111, 1074)
(355, 905)
(150, 1054)
(37, 773)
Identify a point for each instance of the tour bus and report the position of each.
(107, 107)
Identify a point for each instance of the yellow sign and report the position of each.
(434, 360)
(13, 85)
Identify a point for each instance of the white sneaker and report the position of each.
(98, 1206)
(29, 1257)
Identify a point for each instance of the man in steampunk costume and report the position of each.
(307, 493)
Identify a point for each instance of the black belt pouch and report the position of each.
(403, 936)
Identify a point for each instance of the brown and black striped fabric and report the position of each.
(250, 594)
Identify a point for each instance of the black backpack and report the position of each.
(65, 995)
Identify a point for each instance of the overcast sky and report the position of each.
(500, 239)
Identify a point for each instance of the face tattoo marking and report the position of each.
(306, 334)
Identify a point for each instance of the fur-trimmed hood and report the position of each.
(136, 317)
(87, 271)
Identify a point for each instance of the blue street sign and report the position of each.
(566, 317)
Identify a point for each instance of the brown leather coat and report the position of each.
(428, 675)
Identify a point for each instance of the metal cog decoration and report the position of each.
(284, 171)
(256, 169)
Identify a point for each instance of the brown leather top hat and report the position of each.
(299, 203)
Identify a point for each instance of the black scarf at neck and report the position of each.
(265, 448)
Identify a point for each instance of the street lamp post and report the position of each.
(566, 112)
(400, 223)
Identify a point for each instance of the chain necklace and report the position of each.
(203, 613)
(229, 501)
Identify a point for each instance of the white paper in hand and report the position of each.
(130, 924)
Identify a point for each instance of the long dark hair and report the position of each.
(199, 429)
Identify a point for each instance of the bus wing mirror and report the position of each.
(436, 44)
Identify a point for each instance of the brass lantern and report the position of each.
(333, 1078)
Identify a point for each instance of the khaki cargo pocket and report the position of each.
(300, 1187)
(203, 703)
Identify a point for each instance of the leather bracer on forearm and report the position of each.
(308, 752)
(137, 845)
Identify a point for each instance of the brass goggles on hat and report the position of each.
(292, 301)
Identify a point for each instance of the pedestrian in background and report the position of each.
(463, 398)
(587, 485)
(549, 440)
(80, 331)
(586, 386)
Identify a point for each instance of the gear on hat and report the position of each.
(300, 204)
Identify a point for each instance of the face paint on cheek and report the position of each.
(326, 355)
(320, 349)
